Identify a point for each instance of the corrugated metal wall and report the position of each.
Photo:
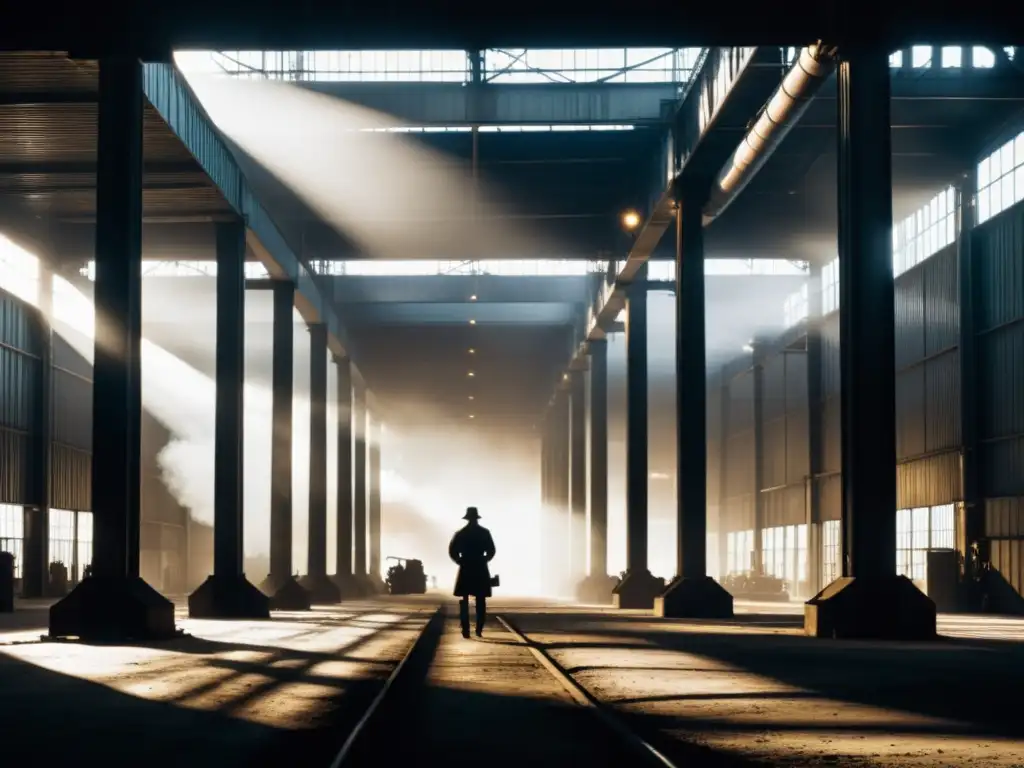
(19, 385)
(738, 504)
(928, 383)
(71, 462)
(999, 264)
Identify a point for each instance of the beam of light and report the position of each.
(392, 195)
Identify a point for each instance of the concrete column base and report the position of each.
(349, 586)
(694, 598)
(597, 589)
(637, 590)
(285, 593)
(228, 597)
(113, 609)
(322, 589)
(867, 608)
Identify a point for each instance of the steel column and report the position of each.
(321, 589)
(692, 594)
(577, 477)
(281, 436)
(871, 601)
(599, 458)
(815, 427)
(344, 530)
(375, 511)
(116, 604)
(560, 480)
(359, 487)
(636, 427)
(35, 568)
(757, 372)
(280, 586)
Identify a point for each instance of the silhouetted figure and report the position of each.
(472, 548)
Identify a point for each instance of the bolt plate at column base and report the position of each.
(322, 589)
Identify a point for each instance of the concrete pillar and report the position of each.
(815, 427)
(598, 586)
(347, 585)
(373, 447)
(692, 593)
(227, 593)
(563, 490)
(116, 604)
(35, 568)
(321, 589)
(359, 486)
(869, 600)
(639, 588)
(577, 477)
(280, 586)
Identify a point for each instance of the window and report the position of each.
(830, 287)
(739, 550)
(12, 534)
(921, 56)
(590, 65)
(983, 57)
(19, 271)
(448, 66)
(62, 539)
(831, 565)
(1001, 179)
(795, 307)
(952, 56)
(896, 60)
(919, 530)
(925, 232)
(802, 573)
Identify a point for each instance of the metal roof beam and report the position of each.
(171, 96)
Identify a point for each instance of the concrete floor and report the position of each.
(286, 692)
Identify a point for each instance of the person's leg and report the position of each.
(481, 614)
(464, 615)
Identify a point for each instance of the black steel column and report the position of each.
(35, 569)
(376, 432)
(321, 589)
(757, 372)
(973, 525)
(636, 428)
(227, 594)
(692, 593)
(359, 487)
(815, 427)
(344, 579)
(725, 520)
(599, 459)
(577, 477)
(280, 586)
(873, 601)
(116, 604)
(638, 589)
(561, 510)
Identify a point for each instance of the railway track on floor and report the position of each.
(411, 674)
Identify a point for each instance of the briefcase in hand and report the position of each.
(495, 581)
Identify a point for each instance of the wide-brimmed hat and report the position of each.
(471, 514)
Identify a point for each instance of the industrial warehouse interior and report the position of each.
(724, 347)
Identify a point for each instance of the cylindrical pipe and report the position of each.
(812, 68)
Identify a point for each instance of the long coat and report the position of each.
(472, 548)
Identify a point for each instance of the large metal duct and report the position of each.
(812, 68)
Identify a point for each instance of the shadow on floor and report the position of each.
(965, 680)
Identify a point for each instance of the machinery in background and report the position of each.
(406, 577)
